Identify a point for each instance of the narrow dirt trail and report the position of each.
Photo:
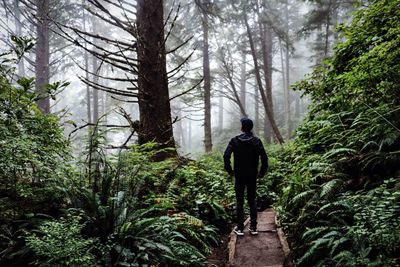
(267, 249)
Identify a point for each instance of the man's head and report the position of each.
(247, 124)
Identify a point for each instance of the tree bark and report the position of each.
(18, 31)
(42, 69)
(260, 85)
(153, 95)
(207, 86)
(189, 136)
(256, 111)
(86, 58)
(220, 112)
(243, 80)
(95, 79)
(95, 76)
(266, 45)
(287, 75)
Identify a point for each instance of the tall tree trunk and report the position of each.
(284, 87)
(256, 111)
(260, 85)
(42, 68)
(243, 80)
(181, 133)
(221, 112)
(296, 109)
(327, 29)
(86, 58)
(95, 79)
(236, 97)
(287, 74)
(189, 137)
(266, 45)
(207, 86)
(153, 95)
(319, 47)
(18, 31)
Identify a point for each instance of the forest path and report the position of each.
(267, 249)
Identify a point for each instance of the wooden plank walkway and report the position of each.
(267, 249)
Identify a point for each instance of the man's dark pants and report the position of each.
(240, 186)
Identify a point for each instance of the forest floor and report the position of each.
(267, 249)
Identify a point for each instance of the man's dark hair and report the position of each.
(247, 124)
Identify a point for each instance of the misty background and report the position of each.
(208, 54)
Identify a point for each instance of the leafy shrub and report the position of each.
(34, 158)
(338, 200)
(60, 243)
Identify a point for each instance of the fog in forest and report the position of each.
(222, 59)
(121, 141)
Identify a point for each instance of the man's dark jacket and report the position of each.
(247, 149)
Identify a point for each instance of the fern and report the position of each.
(330, 188)
(339, 151)
(337, 243)
(302, 197)
(312, 233)
(312, 251)
(338, 205)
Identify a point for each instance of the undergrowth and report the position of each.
(339, 199)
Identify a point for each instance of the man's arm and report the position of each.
(227, 158)
(264, 159)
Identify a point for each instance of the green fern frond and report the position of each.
(343, 258)
(312, 251)
(337, 243)
(338, 151)
(190, 220)
(329, 188)
(302, 197)
(312, 233)
(334, 206)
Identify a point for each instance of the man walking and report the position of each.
(247, 150)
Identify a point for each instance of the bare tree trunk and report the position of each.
(86, 58)
(181, 132)
(153, 95)
(95, 79)
(221, 112)
(297, 107)
(236, 97)
(326, 46)
(287, 75)
(42, 68)
(18, 31)
(243, 80)
(207, 86)
(287, 91)
(266, 45)
(319, 46)
(189, 138)
(260, 86)
(256, 112)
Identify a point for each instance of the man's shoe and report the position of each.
(237, 231)
(253, 231)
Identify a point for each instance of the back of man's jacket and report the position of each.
(247, 149)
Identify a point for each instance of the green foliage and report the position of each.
(202, 189)
(129, 205)
(339, 197)
(60, 243)
(32, 154)
(121, 209)
(34, 158)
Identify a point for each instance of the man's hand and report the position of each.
(232, 173)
